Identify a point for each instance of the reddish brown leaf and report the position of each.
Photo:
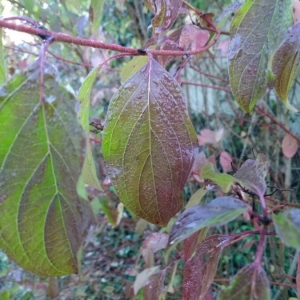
(199, 162)
(225, 161)
(289, 146)
(200, 270)
(154, 286)
(208, 136)
(192, 37)
(142, 278)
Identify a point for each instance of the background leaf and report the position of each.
(287, 225)
(216, 213)
(200, 270)
(42, 220)
(289, 146)
(154, 286)
(241, 286)
(196, 197)
(96, 10)
(149, 144)
(251, 50)
(142, 278)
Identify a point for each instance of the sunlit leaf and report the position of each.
(286, 65)
(142, 278)
(149, 144)
(224, 181)
(42, 219)
(287, 225)
(154, 286)
(200, 270)
(196, 197)
(217, 212)
(133, 66)
(2, 62)
(165, 11)
(289, 146)
(244, 287)
(256, 31)
(252, 174)
(96, 11)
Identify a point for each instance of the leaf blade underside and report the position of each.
(42, 220)
(149, 144)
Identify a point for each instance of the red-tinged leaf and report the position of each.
(296, 11)
(286, 65)
(165, 11)
(154, 286)
(199, 162)
(225, 161)
(287, 225)
(248, 286)
(142, 278)
(223, 47)
(252, 174)
(190, 243)
(149, 144)
(289, 146)
(164, 60)
(208, 136)
(224, 181)
(200, 270)
(251, 50)
(230, 10)
(192, 37)
(217, 212)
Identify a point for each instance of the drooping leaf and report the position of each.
(96, 11)
(42, 219)
(230, 10)
(2, 62)
(287, 225)
(200, 270)
(154, 286)
(133, 66)
(256, 31)
(149, 144)
(224, 181)
(289, 146)
(226, 161)
(196, 197)
(165, 11)
(217, 212)
(142, 278)
(286, 65)
(252, 174)
(243, 287)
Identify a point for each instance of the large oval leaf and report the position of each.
(149, 143)
(42, 220)
(256, 31)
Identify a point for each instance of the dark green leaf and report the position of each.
(218, 212)
(244, 287)
(256, 31)
(42, 219)
(286, 65)
(200, 269)
(287, 225)
(196, 198)
(149, 144)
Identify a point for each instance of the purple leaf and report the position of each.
(154, 286)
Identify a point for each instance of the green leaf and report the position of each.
(89, 173)
(42, 219)
(224, 181)
(76, 4)
(227, 12)
(287, 225)
(256, 31)
(196, 198)
(286, 65)
(96, 11)
(2, 62)
(149, 144)
(217, 212)
(133, 66)
(245, 286)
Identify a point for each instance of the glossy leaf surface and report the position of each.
(286, 65)
(200, 270)
(149, 144)
(287, 225)
(217, 212)
(244, 288)
(42, 219)
(256, 31)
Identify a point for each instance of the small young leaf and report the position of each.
(196, 198)
(287, 225)
(154, 286)
(251, 49)
(225, 161)
(224, 181)
(289, 146)
(142, 278)
(217, 212)
(133, 66)
(208, 136)
(42, 219)
(149, 144)
(286, 65)
(199, 162)
(200, 270)
(243, 287)
(96, 10)
(112, 213)
(166, 12)
(252, 174)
